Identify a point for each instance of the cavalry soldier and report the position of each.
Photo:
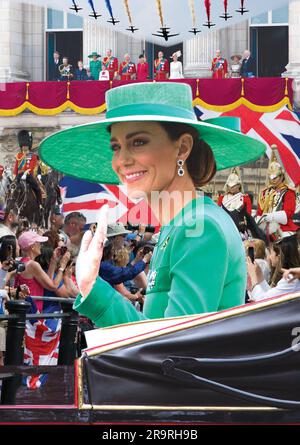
(277, 204)
(127, 70)
(161, 67)
(27, 164)
(237, 204)
(234, 198)
(110, 64)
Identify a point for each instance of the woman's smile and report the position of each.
(133, 177)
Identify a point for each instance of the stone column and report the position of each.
(200, 50)
(11, 47)
(293, 67)
(97, 38)
(100, 38)
(33, 42)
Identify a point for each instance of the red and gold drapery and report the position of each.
(88, 97)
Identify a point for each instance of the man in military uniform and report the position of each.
(127, 70)
(161, 67)
(95, 65)
(65, 70)
(219, 66)
(277, 204)
(27, 164)
(111, 64)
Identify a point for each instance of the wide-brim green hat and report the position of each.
(94, 54)
(84, 151)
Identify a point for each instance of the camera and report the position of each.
(16, 265)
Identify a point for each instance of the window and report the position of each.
(280, 15)
(55, 19)
(62, 21)
(74, 21)
(260, 19)
(274, 17)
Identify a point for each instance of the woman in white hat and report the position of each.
(176, 71)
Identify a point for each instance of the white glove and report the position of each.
(39, 177)
(279, 217)
(23, 177)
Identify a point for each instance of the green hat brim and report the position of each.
(84, 151)
(93, 54)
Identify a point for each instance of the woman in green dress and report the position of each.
(95, 65)
(152, 142)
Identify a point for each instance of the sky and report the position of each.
(176, 14)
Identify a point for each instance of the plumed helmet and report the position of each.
(233, 179)
(274, 170)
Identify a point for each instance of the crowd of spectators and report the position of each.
(38, 262)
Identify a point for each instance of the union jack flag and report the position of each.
(41, 343)
(87, 198)
(281, 128)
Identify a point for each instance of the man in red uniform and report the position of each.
(234, 198)
(27, 164)
(127, 70)
(111, 64)
(142, 68)
(277, 204)
(219, 66)
(161, 67)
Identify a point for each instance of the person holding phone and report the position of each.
(283, 255)
(256, 250)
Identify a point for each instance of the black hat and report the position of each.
(25, 138)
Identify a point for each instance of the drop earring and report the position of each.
(180, 163)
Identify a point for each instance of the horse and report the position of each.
(53, 196)
(246, 224)
(21, 197)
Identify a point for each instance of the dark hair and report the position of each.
(53, 238)
(74, 215)
(7, 247)
(287, 250)
(25, 138)
(201, 163)
(45, 256)
(108, 250)
(141, 55)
